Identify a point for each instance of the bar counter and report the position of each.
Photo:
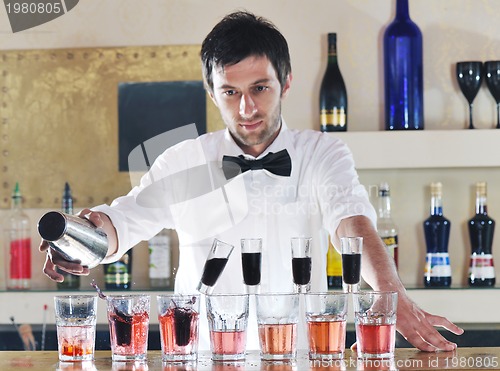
(405, 359)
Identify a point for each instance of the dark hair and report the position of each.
(240, 35)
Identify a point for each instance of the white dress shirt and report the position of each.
(186, 190)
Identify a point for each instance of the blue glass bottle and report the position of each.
(437, 234)
(403, 72)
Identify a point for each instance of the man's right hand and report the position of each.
(56, 260)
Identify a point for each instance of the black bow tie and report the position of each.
(278, 163)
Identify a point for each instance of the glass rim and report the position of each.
(329, 293)
(301, 238)
(369, 292)
(127, 296)
(277, 294)
(251, 239)
(226, 295)
(180, 296)
(69, 296)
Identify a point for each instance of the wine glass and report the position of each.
(251, 259)
(469, 77)
(351, 248)
(301, 263)
(492, 74)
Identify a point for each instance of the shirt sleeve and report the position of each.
(339, 191)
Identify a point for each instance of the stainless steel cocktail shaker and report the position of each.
(74, 237)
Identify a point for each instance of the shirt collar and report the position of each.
(230, 148)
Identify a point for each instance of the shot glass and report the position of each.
(375, 322)
(277, 318)
(128, 317)
(227, 321)
(326, 315)
(75, 323)
(251, 259)
(301, 263)
(351, 249)
(178, 316)
(216, 262)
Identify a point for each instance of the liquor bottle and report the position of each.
(332, 94)
(387, 229)
(118, 275)
(481, 229)
(437, 233)
(71, 281)
(160, 260)
(333, 267)
(403, 72)
(18, 238)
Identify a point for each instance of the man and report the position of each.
(247, 73)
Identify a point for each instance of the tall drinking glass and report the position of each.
(227, 320)
(301, 263)
(277, 318)
(178, 316)
(326, 315)
(375, 321)
(76, 321)
(216, 262)
(351, 249)
(128, 317)
(251, 259)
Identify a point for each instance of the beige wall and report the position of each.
(453, 30)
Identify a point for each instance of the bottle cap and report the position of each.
(481, 188)
(384, 189)
(332, 37)
(436, 189)
(16, 193)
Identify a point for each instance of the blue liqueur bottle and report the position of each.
(437, 234)
(403, 72)
(481, 230)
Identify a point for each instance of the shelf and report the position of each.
(423, 148)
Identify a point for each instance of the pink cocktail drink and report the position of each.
(228, 345)
(278, 341)
(326, 337)
(376, 340)
(179, 334)
(129, 335)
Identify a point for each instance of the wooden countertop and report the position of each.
(406, 359)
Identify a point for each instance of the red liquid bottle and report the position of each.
(481, 230)
(18, 239)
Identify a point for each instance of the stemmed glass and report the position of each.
(301, 263)
(251, 260)
(469, 77)
(492, 73)
(351, 249)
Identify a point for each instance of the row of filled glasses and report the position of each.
(278, 317)
(251, 261)
(471, 74)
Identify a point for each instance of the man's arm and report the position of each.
(379, 271)
(54, 259)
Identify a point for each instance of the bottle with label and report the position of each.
(18, 239)
(437, 234)
(333, 267)
(386, 227)
(481, 229)
(403, 72)
(160, 260)
(71, 282)
(333, 94)
(118, 275)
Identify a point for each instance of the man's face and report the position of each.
(248, 95)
